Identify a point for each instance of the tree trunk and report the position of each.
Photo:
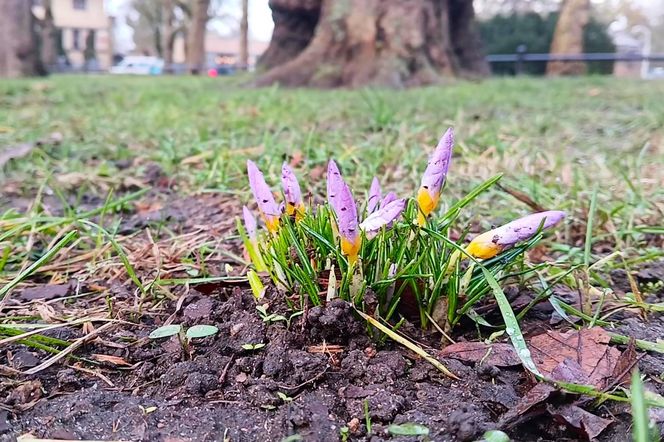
(244, 36)
(168, 34)
(568, 37)
(294, 25)
(196, 35)
(18, 40)
(332, 43)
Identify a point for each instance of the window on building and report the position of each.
(79, 4)
(76, 39)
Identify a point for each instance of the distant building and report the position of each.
(84, 33)
(221, 50)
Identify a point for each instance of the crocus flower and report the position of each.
(294, 203)
(341, 199)
(391, 196)
(266, 205)
(489, 244)
(253, 250)
(249, 223)
(374, 196)
(383, 217)
(434, 176)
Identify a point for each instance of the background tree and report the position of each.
(147, 22)
(501, 34)
(329, 43)
(168, 34)
(48, 37)
(568, 37)
(196, 36)
(244, 35)
(19, 55)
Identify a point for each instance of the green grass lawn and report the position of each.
(554, 140)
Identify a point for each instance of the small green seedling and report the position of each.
(252, 347)
(166, 331)
(284, 397)
(147, 410)
(195, 332)
(201, 331)
(495, 436)
(408, 429)
(274, 317)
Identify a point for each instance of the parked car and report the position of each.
(139, 65)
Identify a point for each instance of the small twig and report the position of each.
(76, 344)
(224, 372)
(94, 373)
(303, 384)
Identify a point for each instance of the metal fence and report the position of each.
(522, 56)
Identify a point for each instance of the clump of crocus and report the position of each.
(434, 177)
(372, 249)
(491, 243)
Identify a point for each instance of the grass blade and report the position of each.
(408, 344)
(639, 410)
(511, 324)
(35, 265)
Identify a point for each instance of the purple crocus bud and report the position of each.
(341, 199)
(434, 176)
(374, 195)
(391, 196)
(249, 223)
(266, 204)
(292, 193)
(489, 244)
(383, 217)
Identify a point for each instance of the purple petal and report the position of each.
(489, 244)
(374, 195)
(261, 191)
(524, 228)
(391, 196)
(342, 202)
(436, 171)
(249, 223)
(291, 187)
(383, 217)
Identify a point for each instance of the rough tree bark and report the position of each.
(18, 40)
(568, 37)
(332, 43)
(244, 36)
(196, 36)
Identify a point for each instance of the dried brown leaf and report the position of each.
(49, 291)
(586, 423)
(14, 152)
(499, 354)
(587, 347)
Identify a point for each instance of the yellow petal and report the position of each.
(426, 204)
(272, 223)
(351, 248)
(299, 212)
(483, 246)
